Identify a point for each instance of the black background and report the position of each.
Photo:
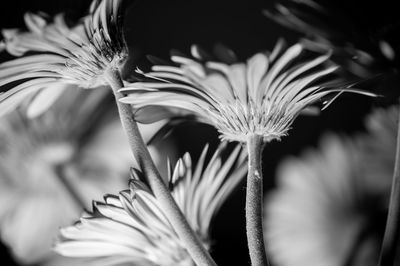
(156, 26)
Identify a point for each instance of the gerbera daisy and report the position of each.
(253, 103)
(330, 205)
(55, 56)
(260, 97)
(53, 166)
(132, 228)
(89, 55)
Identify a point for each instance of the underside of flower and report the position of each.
(309, 207)
(105, 45)
(35, 156)
(319, 206)
(133, 228)
(33, 201)
(61, 56)
(35, 148)
(260, 97)
(248, 121)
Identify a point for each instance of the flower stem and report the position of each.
(178, 221)
(254, 200)
(391, 236)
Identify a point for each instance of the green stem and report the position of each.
(178, 221)
(391, 236)
(254, 202)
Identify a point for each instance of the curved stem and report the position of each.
(254, 200)
(192, 243)
(391, 236)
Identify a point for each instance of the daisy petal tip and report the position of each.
(125, 89)
(126, 100)
(134, 174)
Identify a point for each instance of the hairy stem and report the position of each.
(192, 243)
(391, 236)
(254, 200)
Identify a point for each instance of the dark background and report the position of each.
(156, 26)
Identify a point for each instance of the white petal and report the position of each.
(45, 98)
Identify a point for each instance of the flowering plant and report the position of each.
(83, 116)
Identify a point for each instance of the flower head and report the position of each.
(330, 205)
(133, 228)
(55, 56)
(260, 97)
(53, 166)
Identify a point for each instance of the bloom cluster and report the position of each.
(77, 188)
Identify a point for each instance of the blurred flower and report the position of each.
(55, 56)
(361, 42)
(260, 97)
(330, 206)
(53, 166)
(133, 228)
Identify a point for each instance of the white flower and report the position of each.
(55, 56)
(330, 205)
(260, 97)
(133, 228)
(39, 156)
